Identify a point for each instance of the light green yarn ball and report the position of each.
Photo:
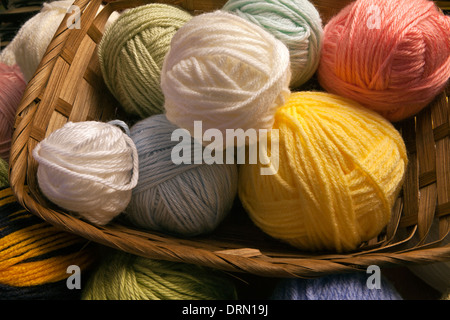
(4, 174)
(123, 276)
(296, 23)
(131, 54)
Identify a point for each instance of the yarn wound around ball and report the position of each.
(123, 276)
(88, 168)
(34, 255)
(391, 56)
(340, 169)
(131, 55)
(186, 199)
(12, 87)
(31, 41)
(226, 72)
(346, 286)
(296, 23)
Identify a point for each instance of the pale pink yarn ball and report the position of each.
(392, 56)
(12, 87)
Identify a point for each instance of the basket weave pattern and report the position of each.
(68, 86)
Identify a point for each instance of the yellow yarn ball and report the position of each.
(341, 168)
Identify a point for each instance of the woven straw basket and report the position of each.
(68, 86)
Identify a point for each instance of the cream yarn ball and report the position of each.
(31, 41)
(88, 168)
(226, 72)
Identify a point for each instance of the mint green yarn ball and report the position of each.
(123, 276)
(131, 54)
(296, 23)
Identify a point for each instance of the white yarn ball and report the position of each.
(89, 168)
(31, 41)
(226, 72)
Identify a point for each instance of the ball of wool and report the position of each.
(4, 173)
(351, 286)
(226, 72)
(339, 168)
(35, 255)
(123, 276)
(132, 52)
(185, 199)
(12, 87)
(88, 168)
(391, 56)
(31, 41)
(296, 23)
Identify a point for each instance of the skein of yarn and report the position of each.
(340, 169)
(351, 286)
(4, 173)
(89, 168)
(296, 23)
(35, 256)
(132, 52)
(391, 56)
(123, 276)
(187, 198)
(31, 41)
(12, 87)
(234, 77)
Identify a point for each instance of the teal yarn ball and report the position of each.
(346, 286)
(132, 51)
(185, 199)
(296, 23)
(123, 276)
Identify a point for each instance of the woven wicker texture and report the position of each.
(68, 86)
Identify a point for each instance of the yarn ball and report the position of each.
(226, 72)
(123, 276)
(88, 168)
(31, 41)
(185, 199)
(4, 174)
(351, 286)
(296, 23)
(335, 176)
(132, 52)
(391, 56)
(35, 256)
(12, 87)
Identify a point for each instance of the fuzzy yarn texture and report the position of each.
(226, 72)
(185, 199)
(296, 23)
(123, 276)
(340, 169)
(12, 87)
(351, 286)
(4, 174)
(89, 168)
(34, 255)
(132, 52)
(31, 41)
(392, 56)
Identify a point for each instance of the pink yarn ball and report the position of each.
(12, 87)
(392, 56)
